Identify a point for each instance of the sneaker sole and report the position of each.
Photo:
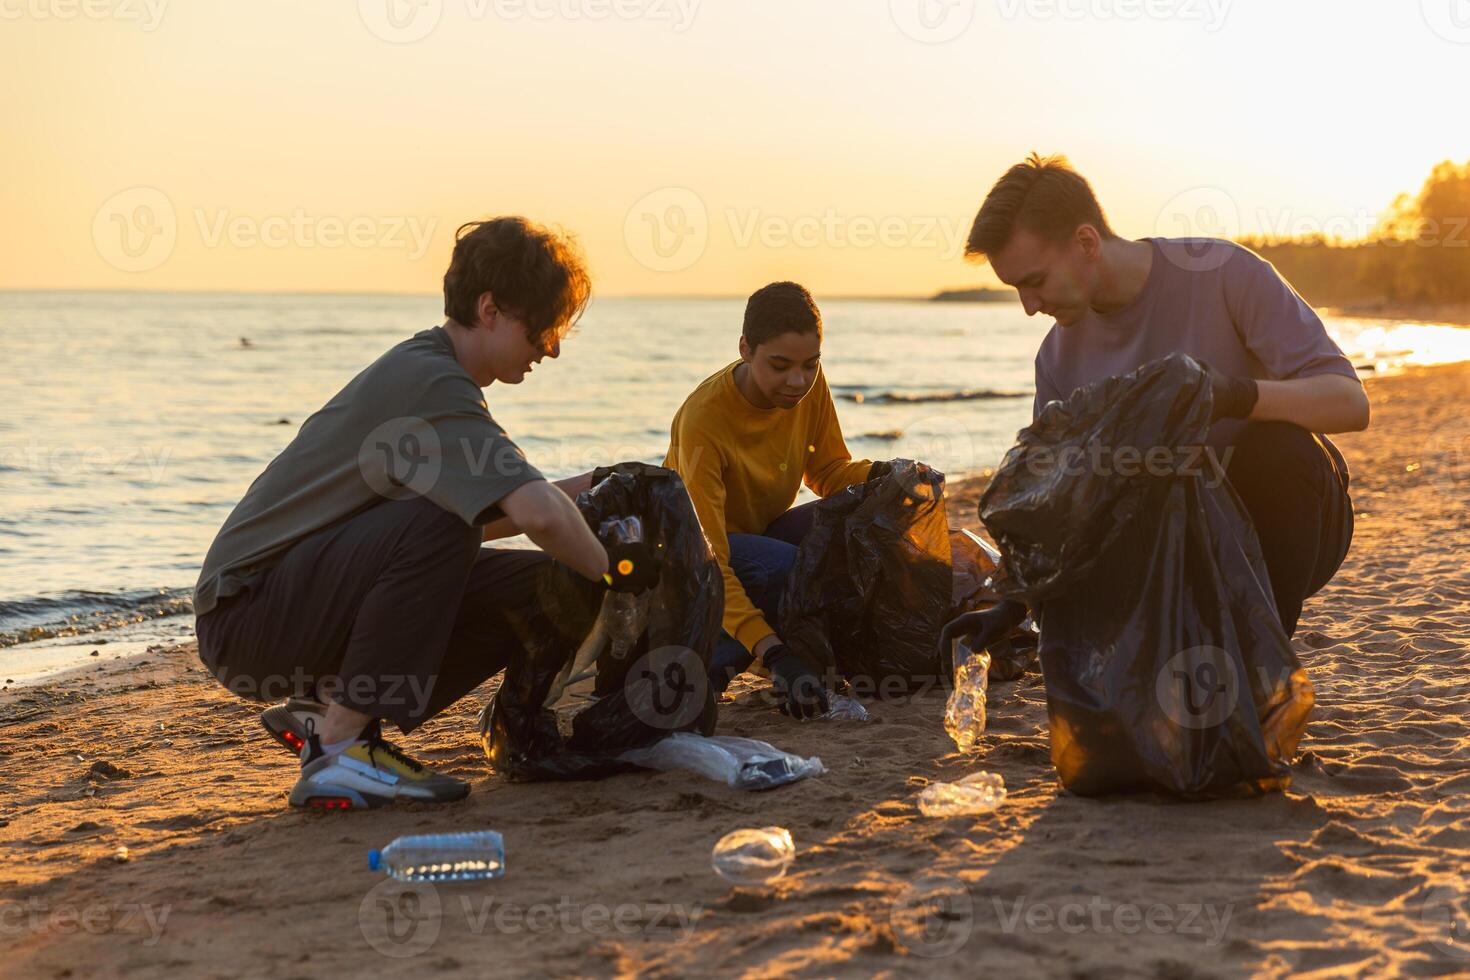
(335, 798)
(282, 726)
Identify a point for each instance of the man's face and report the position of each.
(784, 368)
(1053, 278)
(503, 347)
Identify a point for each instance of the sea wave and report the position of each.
(867, 397)
(77, 612)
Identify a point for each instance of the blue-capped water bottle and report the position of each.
(442, 857)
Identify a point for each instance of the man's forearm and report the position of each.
(564, 535)
(504, 527)
(1325, 403)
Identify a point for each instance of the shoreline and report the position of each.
(147, 786)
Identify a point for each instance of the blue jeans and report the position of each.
(762, 563)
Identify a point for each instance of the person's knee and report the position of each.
(1267, 453)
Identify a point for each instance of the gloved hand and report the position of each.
(632, 567)
(879, 469)
(797, 682)
(1230, 398)
(983, 627)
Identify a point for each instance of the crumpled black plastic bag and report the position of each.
(1165, 663)
(659, 687)
(872, 585)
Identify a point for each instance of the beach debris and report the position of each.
(472, 856)
(122, 855)
(105, 770)
(840, 707)
(753, 856)
(979, 792)
(740, 763)
(96, 653)
(964, 713)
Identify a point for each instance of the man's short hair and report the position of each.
(781, 307)
(533, 273)
(1043, 195)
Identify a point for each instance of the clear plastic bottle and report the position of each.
(964, 714)
(979, 792)
(625, 615)
(442, 857)
(753, 856)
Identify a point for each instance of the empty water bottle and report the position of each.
(979, 792)
(625, 615)
(442, 857)
(753, 857)
(964, 714)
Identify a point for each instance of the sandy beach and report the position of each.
(144, 828)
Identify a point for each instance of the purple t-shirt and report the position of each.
(1211, 299)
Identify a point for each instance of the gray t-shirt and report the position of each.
(412, 424)
(1211, 299)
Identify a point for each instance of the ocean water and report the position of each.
(133, 422)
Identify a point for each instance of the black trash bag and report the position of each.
(1165, 663)
(872, 585)
(648, 656)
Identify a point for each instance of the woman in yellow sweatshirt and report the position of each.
(743, 442)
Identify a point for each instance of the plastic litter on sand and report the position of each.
(979, 792)
(840, 707)
(753, 856)
(964, 714)
(740, 763)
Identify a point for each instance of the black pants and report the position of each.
(1294, 484)
(397, 612)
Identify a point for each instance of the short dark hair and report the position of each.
(781, 307)
(1043, 195)
(533, 273)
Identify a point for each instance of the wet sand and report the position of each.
(144, 827)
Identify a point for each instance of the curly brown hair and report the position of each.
(781, 307)
(533, 273)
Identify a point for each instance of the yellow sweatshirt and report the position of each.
(744, 465)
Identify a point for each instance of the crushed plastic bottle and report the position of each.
(840, 707)
(979, 792)
(442, 857)
(625, 616)
(753, 856)
(741, 763)
(964, 714)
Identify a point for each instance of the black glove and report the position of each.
(632, 567)
(983, 628)
(879, 470)
(797, 682)
(1230, 398)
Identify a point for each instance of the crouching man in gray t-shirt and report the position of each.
(1277, 379)
(350, 579)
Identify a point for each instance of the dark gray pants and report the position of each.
(397, 613)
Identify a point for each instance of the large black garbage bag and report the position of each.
(872, 584)
(648, 656)
(1165, 663)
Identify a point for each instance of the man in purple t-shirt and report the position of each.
(1279, 382)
